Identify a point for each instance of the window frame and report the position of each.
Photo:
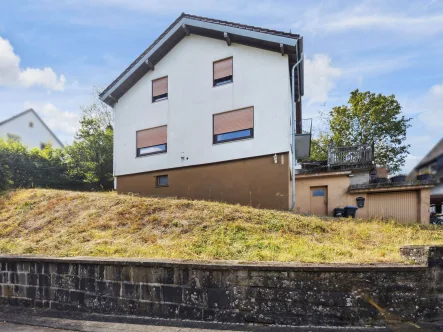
(214, 137)
(157, 182)
(137, 150)
(214, 85)
(215, 141)
(313, 192)
(162, 97)
(151, 153)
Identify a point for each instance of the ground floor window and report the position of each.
(162, 181)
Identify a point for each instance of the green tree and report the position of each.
(90, 157)
(370, 117)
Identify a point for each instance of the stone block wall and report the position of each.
(269, 294)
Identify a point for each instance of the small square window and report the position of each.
(318, 192)
(162, 181)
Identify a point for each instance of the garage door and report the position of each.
(401, 206)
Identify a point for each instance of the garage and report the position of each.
(400, 206)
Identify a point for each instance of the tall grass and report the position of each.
(65, 223)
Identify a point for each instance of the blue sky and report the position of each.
(53, 53)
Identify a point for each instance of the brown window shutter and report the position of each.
(234, 121)
(222, 68)
(160, 86)
(151, 137)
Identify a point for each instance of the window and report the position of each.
(152, 141)
(161, 181)
(160, 89)
(31, 124)
(318, 192)
(233, 125)
(223, 72)
(13, 137)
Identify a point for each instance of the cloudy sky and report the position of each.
(53, 52)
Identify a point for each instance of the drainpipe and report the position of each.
(293, 125)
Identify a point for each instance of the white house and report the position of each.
(206, 112)
(28, 128)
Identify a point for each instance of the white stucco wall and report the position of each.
(30, 137)
(261, 79)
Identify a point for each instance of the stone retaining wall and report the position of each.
(267, 293)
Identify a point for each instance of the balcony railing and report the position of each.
(350, 155)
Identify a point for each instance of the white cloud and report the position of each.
(12, 75)
(428, 108)
(410, 163)
(59, 121)
(320, 78)
(414, 19)
(428, 25)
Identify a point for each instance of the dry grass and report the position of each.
(64, 223)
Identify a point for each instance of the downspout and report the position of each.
(293, 125)
(113, 150)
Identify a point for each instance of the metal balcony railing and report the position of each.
(350, 155)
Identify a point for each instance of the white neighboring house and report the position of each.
(29, 129)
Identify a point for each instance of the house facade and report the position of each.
(28, 128)
(206, 113)
(432, 165)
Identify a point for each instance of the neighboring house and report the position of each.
(432, 164)
(348, 175)
(29, 129)
(206, 112)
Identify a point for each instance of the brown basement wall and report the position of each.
(257, 182)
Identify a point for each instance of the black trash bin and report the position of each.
(339, 212)
(350, 211)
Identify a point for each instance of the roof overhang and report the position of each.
(378, 188)
(321, 175)
(284, 43)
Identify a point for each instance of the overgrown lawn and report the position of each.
(65, 223)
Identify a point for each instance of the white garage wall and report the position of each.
(30, 137)
(261, 79)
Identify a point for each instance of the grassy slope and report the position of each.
(63, 223)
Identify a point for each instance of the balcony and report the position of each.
(303, 130)
(360, 155)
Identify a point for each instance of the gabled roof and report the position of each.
(38, 117)
(185, 24)
(432, 155)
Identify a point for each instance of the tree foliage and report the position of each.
(85, 164)
(367, 118)
(90, 157)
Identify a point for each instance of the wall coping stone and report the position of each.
(232, 265)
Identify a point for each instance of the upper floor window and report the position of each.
(233, 125)
(160, 89)
(152, 141)
(223, 72)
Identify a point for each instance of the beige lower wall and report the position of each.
(338, 196)
(258, 182)
(424, 201)
(337, 188)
